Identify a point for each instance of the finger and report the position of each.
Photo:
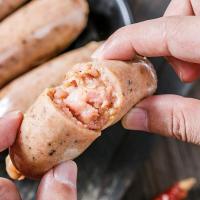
(59, 183)
(196, 6)
(8, 190)
(186, 71)
(179, 7)
(9, 125)
(168, 115)
(167, 36)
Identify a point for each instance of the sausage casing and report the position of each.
(66, 119)
(14, 95)
(8, 6)
(38, 31)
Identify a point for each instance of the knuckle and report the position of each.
(171, 31)
(178, 128)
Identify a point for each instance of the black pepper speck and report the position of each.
(129, 82)
(52, 152)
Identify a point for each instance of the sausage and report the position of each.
(8, 6)
(14, 95)
(38, 31)
(66, 119)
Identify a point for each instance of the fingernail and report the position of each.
(66, 173)
(106, 50)
(109, 50)
(97, 54)
(180, 74)
(136, 119)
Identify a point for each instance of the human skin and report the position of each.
(176, 37)
(59, 183)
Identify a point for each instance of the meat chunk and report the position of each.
(85, 94)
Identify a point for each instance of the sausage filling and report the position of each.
(87, 95)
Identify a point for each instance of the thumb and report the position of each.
(168, 115)
(59, 183)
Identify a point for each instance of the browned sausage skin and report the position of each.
(66, 119)
(44, 28)
(14, 95)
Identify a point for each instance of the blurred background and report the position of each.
(125, 165)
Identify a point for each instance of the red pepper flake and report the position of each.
(178, 191)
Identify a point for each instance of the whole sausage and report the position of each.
(66, 119)
(14, 95)
(38, 31)
(8, 6)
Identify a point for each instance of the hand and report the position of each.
(59, 183)
(176, 37)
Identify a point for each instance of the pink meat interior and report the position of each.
(87, 95)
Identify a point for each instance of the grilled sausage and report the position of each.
(8, 6)
(66, 119)
(14, 95)
(36, 32)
